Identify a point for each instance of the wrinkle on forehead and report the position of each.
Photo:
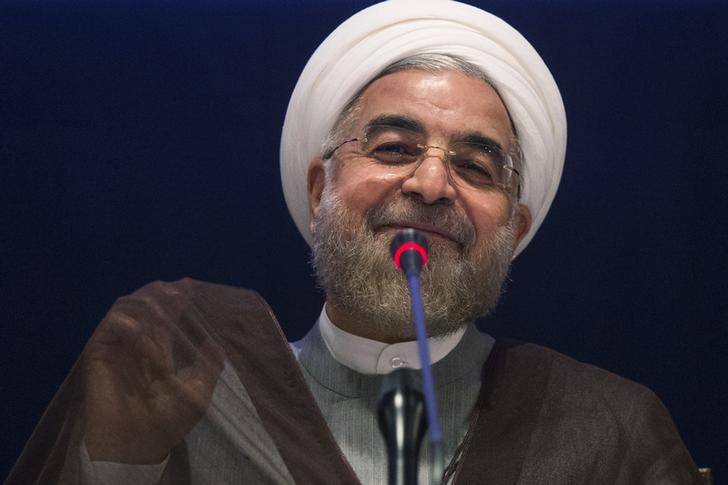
(445, 102)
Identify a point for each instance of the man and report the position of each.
(429, 115)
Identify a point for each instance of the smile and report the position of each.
(428, 229)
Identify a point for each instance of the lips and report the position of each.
(440, 223)
(428, 229)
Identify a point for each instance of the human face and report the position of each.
(448, 106)
(361, 203)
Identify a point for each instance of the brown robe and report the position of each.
(541, 418)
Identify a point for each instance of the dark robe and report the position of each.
(540, 418)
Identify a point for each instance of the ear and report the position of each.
(523, 223)
(316, 181)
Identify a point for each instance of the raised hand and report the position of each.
(150, 375)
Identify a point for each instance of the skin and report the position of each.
(138, 403)
(447, 104)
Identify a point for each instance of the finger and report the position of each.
(202, 375)
(115, 332)
(147, 318)
(211, 358)
(131, 352)
(114, 364)
(170, 303)
(170, 294)
(144, 328)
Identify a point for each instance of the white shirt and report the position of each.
(368, 356)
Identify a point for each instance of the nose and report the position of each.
(430, 181)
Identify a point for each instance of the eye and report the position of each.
(477, 164)
(475, 168)
(393, 152)
(392, 147)
(476, 171)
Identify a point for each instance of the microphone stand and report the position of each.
(409, 250)
(402, 423)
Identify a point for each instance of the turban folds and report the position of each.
(361, 47)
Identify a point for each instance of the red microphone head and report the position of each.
(409, 250)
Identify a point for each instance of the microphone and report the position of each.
(402, 422)
(409, 251)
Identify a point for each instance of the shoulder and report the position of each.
(570, 381)
(617, 424)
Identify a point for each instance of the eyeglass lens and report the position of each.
(479, 165)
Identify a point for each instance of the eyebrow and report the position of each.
(479, 139)
(393, 121)
(406, 123)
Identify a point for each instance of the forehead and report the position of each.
(445, 103)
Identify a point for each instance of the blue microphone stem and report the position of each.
(435, 432)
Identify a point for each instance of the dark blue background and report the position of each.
(139, 140)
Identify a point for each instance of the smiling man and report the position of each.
(431, 152)
(431, 115)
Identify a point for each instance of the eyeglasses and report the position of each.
(483, 166)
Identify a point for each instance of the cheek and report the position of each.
(488, 215)
(364, 186)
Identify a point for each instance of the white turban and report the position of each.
(382, 34)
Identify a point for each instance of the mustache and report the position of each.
(403, 212)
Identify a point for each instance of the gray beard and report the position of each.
(459, 284)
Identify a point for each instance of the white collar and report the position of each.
(368, 356)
